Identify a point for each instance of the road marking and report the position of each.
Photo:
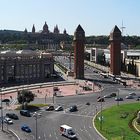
(72, 114)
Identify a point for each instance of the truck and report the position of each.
(67, 131)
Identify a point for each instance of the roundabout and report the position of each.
(117, 122)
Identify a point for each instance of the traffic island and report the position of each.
(136, 123)
(115, 123)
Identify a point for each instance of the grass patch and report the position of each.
(116, 123)
(33, 107)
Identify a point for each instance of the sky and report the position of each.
(97, 17)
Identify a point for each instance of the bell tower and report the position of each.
(115, 51)
(33, 29)
(78, 43)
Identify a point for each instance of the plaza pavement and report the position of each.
(6, 135)
(47, 92)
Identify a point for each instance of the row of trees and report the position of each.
(18, 37)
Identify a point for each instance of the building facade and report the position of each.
(25, 66)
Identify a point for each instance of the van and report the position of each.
(25, 113)
(67, 131)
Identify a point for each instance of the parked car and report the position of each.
(118, 99)
(73, 108)
(129, 97)
(12, 116)
(25, 113)
(26, 128)
(50, 108)
(59, 108)
(8, 120)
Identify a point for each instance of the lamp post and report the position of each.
(45, 98)
(101, 117)
(95, 109)
(118, 98)
(36, 115)
(1, 109)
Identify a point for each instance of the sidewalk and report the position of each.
(5, 135)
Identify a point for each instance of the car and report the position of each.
(25, 113)
(100, 99)
(50, 108)
(88, 103)
(59, 108)
(26, 128)
(12, 116)
(132, 93)
(95, 71)
(138, 98)
(129, 97)
(6, 100)
(118, 99)
(113, 94)
(8, 120)
(107, 96)
(73, 108)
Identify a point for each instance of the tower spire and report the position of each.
(33, 29)
(122, 28)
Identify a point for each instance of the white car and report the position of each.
(107, 96)
(59, 108)
(8, 120)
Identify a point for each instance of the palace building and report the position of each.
(25, 66)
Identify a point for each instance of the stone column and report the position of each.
(78, 42)
(115, 51)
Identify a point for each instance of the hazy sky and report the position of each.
(97, 17)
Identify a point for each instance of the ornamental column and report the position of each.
(78, 43)
(115, 51)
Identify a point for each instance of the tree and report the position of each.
(24, 97)
(101, 59)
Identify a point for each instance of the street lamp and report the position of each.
(1, 109)
(101, 117)
(45, 98)
(118, 98)
(36, 115)
(95, 108)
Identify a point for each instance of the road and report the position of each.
(81, 121)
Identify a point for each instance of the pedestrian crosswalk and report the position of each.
(13, 101)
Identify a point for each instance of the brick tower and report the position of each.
(115, 51)
(78, 42)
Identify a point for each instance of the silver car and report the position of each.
(129, 97)
(8, 120)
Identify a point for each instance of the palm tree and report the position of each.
(24, 97)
